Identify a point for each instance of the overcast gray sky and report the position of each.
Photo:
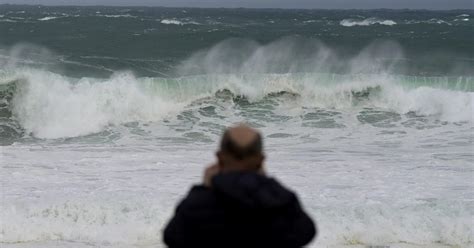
(338, 4)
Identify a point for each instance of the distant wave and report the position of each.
(438, 21)
(7, 20)
(47, 18)
(177, 22)
(168, 21)
(118, 16)
(430, 21)
(366, 22)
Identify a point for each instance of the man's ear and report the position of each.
(258, 161)
(261, 159)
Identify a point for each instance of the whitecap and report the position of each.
(438, 21)
(47, 18)
(461, 20)
(118, 16)
(184, 21)
(430, 21)
(7, 20)
(366, 22)
(171, 21)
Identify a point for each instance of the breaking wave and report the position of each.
(118, 16)
(49, 105)
(366, 22)
(177, 22)
(48, 18)
(430, 21)
(168, 21)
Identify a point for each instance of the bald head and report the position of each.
(241, 148)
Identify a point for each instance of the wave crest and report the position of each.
(49, 105)
(177, 22)
(366, 22)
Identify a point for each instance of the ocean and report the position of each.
(109, 114)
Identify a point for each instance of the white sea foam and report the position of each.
(366, 22)
(47, 18)
(118, 16)
(121, 223)
(139, 222)
(430, 21)
(7, 20)
(170, 21)
(17, 18)
(52, 106)
(362, 185)
(177, 22)
(438, 21)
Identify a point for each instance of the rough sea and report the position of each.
(108, 115)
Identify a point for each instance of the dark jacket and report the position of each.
(241, 210)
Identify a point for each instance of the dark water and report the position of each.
(96, 41)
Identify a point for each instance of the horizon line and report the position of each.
(194, 7)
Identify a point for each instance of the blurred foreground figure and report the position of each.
(238, 205)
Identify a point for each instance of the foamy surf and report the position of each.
(159, 245)
(118, 195)
(140, 223)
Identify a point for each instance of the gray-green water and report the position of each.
(95, 41)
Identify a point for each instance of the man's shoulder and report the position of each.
(199, 196)
(253, 190)
(199, 206)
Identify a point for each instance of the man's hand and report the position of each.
(209, 173)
